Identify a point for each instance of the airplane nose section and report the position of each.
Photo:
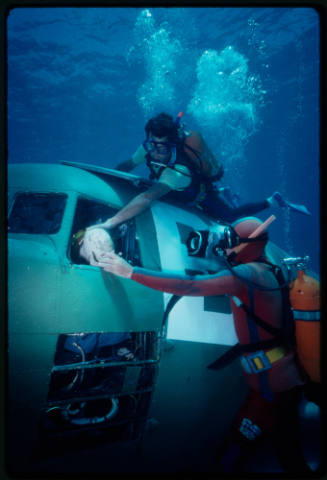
(29, 248)
(32, 284)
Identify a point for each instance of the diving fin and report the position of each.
(294, 207)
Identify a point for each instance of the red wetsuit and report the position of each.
(267, 305)
(271, 406)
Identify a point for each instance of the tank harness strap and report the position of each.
(288, 324)
(283, 336)
(258, 238)
(200, 196)
(153, 173)
(197, 154)
(237, 350)
(266, 326)
(170, 305)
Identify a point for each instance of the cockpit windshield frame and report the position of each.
(39, 213)
(90, 212)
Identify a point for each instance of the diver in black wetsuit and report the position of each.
(181, 164)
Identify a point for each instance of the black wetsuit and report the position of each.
(211, 202)
(215, 206)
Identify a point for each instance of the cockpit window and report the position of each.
(124, 237)
(39, 213)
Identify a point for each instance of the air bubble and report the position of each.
(158, 52)
(225, 100)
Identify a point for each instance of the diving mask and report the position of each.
(202, 243)
(162, 148)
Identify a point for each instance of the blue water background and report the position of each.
(83, 81)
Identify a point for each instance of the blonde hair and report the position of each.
(96, 241)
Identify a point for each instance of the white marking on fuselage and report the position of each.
(188, 320)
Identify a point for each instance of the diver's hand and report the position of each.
(113, 263)
(107, 225)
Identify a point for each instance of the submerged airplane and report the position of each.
(95, 362)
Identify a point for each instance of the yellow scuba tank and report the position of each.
(304, 295)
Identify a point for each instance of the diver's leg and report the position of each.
(216, 207)
(314, 393)
(247, 433)
(287, 432)
(250, 209)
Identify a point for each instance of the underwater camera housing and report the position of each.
(201, 243)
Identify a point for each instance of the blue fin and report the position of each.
(295, 207)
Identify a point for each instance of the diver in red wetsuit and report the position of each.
(272, 373)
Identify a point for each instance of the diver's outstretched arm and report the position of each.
(221, 283)
(136, 206)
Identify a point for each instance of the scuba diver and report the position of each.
(180, 162)
(275, 378)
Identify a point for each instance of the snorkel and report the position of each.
(179, 126)
(254, 235)
(178, 119)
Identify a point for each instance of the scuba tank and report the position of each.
(304, 295)
(198, 152)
